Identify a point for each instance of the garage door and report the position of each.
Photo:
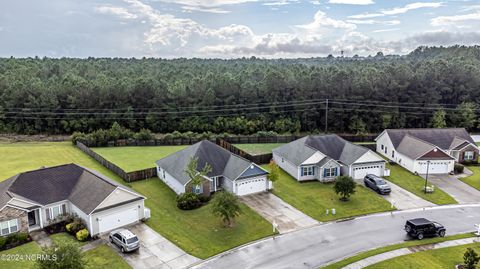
(118, 219)
(360, 172)
(435, 167)
(245, 187)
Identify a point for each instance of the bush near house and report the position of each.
(14, 240)
(82, 235)
(189, 201)
(458, 168)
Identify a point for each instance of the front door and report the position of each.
(32, 220)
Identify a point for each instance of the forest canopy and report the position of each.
(431, 86)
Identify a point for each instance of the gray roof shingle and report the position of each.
(81, 186)
(440, 137)
(223, 162)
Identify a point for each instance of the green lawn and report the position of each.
(197, 231)
(29, 156)
(415, 184)
(136, 158)
(366, 254)
(99, 257)
(256, 149)
(313, 198)
(66, 238)
(473, 180)
(104, 256)
(19, 252)
(431, 259)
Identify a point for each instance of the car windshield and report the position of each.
(132, 240)
(381, 182)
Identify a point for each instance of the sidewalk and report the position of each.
(409, 250)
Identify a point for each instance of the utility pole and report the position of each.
(326, 115)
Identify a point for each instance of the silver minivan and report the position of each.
(125, 240)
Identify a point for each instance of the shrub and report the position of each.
(188, 201)
(22, 237)
(82, 235)
(144, 135)
(203, 198)
(78, 136)
(458, 168)
(67, 255)
(3, 241)
(226, 206)
(471, 259)
(69, 227)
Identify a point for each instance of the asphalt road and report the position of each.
(317, 246)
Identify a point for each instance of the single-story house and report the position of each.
(36, 199)
(438, 149)
(229, 171)
(324, 157)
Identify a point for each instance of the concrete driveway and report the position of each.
(155, 251)
(274, 209)
(462, 192)
(401, 198)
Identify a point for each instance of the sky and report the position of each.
(232, 28)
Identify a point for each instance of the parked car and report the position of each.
(421, 227)
(377, 184)
(125, 240)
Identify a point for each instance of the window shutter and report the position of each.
(336, 171)
(47, 212)
(64, 209)
(324, 172)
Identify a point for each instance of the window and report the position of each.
(382, 147)
(8, 227)
(386, 149)
(308, 171)
(283, 160)
(393, 154)
(468, 155)
(55, 211)
(330, 172)
(197, 189)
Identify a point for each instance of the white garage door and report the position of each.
(249, 186)
(118, 219)
(360, 172)
(435, 167)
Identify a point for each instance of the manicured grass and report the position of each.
(197, 231)
(415, 184)
(21, 157)
(256, 149)
(431, 259)
(366, 254)
(473, 180)
(66, 238)
(19, 254)
(104, 256)
(136, 158)
(313, 198)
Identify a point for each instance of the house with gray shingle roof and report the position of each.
(324, 157)
(229, 171)
(430, 149)
(36, 199)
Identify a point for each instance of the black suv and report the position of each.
(377, 184)
(421, 227)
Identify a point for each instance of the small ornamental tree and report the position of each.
(274, 171)
(226, 206)
(196, 177)
(345, 187)
(61, 255)
(471, 259)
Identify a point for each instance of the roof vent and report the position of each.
(435, 150)
(252, 166)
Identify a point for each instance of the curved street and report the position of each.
(323, 244)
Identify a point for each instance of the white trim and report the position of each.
(451, 158)
(16, 207)
(129, 191)
(28, 202)
(9, 227)
(384, 131)
(251, 163)
(52, 204)
(469, 144)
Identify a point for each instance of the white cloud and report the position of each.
(398, 10)
(119, 11)
(352, 2)
(392, 22)
(321, 23)
(205, 9)
(455, 19)
(280, 3)
(386, 30)
(207, 3)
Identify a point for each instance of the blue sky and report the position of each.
(232, 28)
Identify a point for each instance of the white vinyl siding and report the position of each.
(8, 227)
(171, 182)
(287, 166)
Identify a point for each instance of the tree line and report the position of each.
(431, 86)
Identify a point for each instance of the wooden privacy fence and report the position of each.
(258, 159)
(126, 176)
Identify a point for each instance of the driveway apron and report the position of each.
(460, 191)
(274, 209)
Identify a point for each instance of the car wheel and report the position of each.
(441, 233)
(110, 239)
(420, 236)
(122, 249)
